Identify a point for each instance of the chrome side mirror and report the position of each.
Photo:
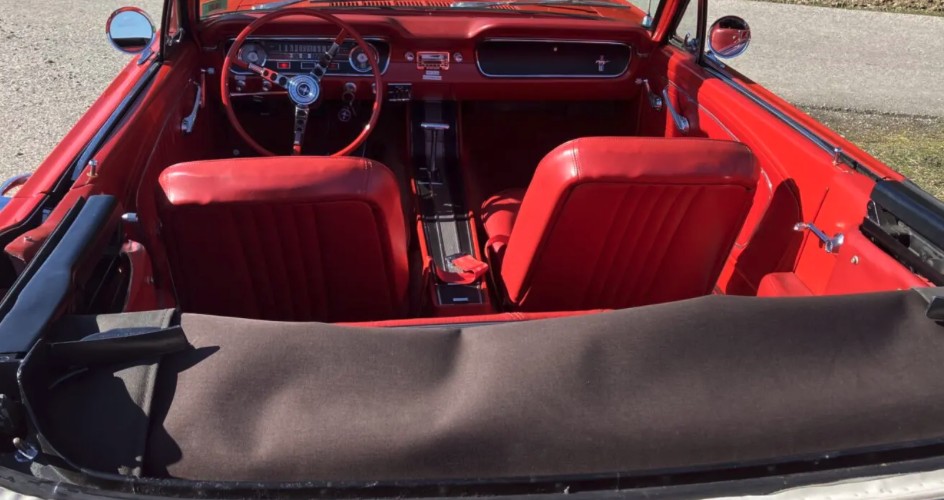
(130, 30)
(729, 37)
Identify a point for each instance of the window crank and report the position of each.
(831, 245)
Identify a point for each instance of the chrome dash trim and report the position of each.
(478, 63)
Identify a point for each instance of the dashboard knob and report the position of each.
(457, 57)
(266, 85)
(410, 57)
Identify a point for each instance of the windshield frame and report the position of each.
(201, 13)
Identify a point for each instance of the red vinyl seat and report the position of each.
(613, 222)
(286, 238)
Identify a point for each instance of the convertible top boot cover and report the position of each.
(712, 380)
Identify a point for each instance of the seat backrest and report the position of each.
(611, 222)
(300, 238)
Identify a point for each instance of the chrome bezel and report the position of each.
(478, 63)
(386, 63)
(265, 55)
(350, 59)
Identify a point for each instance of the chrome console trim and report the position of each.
(629, 61)
(386, 63)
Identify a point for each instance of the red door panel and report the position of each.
(799, 183)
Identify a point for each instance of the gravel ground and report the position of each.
(933, 7)
(57, 61)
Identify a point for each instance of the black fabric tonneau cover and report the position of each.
(715, 380)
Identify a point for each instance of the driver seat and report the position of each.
(286, 238)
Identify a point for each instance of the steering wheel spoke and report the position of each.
(301, 123)
(268, 75)
(318, 72)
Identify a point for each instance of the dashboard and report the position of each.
(450, 57)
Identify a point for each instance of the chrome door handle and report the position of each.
(681, 122)
(190, 120)
(186, 126)
(655, 102)
(831, 245)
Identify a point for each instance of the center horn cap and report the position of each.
(304, 90)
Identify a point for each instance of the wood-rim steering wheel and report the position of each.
(303, 89)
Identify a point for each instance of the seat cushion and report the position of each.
(612, 222)
(296, 238)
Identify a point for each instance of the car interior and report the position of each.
(316, 243)
(508, 167)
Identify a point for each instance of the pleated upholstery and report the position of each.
(614, 222)
(299, 253)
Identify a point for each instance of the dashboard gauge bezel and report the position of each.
(260, 49)
(355, 50)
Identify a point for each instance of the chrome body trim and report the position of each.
(16, 180)
(795, 125)
(478, 62)
(110, 124)
(386, 63)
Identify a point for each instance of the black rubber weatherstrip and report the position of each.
(37, 297)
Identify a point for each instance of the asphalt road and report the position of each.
(57, 61)
(840, 58)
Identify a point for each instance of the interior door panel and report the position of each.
(800, 183)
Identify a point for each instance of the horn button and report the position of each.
(303, 90)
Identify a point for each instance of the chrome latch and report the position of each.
(655, 102)
(831, 245)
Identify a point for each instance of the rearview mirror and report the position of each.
(130, 30)
(729, 37)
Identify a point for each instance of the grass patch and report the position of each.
(912, 145)
(926, 7)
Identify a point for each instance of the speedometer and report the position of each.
(359, 59)
(253, 53)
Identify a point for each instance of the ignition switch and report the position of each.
(346, 113)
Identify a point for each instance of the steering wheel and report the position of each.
(303, 89)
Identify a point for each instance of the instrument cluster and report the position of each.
(294, 56)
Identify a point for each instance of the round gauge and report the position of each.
(253, 53)
(359, 59)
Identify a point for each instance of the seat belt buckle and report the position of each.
(470, 270)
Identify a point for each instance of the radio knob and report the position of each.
(410, 57)
(457, 57)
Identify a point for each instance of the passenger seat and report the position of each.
(615, 222)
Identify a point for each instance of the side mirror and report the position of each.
(130, 30)
(729, 37)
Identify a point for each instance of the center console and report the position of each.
(446, 226)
